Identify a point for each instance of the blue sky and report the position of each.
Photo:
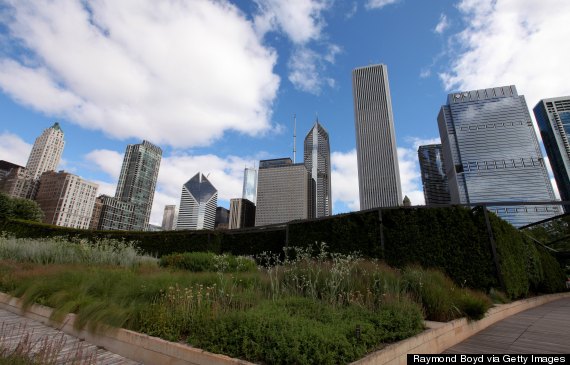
(216, 83)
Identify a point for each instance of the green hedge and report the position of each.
(454, 239)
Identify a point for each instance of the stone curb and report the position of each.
(132, 345)
(441, 336)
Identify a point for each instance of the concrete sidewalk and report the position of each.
(15, 329)
(541, 330)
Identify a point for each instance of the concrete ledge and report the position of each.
(441, 336)
(129, 344)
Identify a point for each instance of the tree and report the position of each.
(26, 209)
(407, 202)
(6, 206)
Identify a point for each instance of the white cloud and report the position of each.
(306, 68)
(14, 149)
(378, 4)
(177, 73)
(108, 161)
(520, 42)
(353, 10)
(344, 179)
(300, 20)
(304, 72)
(442, 25)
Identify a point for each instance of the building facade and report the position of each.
(96, 216)
(116, 215)
(378, 169)
(489, 140)
(553, 118)
(198, 203)
(317, 158)
(434, 179)
(242, 214)
(283, 192)
(169, 218)
(66, 199)
(250, 184)
(14, 179)
(135, 191)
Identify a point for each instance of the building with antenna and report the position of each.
(198, 203)
(318, 162)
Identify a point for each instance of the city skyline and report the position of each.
(115, 90)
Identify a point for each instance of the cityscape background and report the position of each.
(216, 85)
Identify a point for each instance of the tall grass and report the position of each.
(62, 251)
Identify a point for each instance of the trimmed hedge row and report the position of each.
(454, 239)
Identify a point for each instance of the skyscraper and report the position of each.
(318, 162)
(434, 180)
(283, 192)
(378, 170)
(66, 199)
(45, 156)
(250, 184)
(169, 218)
(198, 203)
(553, 118)
(491, 153)
(132, 204)
(46, 153)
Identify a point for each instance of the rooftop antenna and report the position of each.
(294, 138)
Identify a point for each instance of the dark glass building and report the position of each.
(489, 140)
(434, 180)
(553, 118)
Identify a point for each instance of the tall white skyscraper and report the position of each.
(46, 153)
(250, 184)
(198, 204)
(317, 159)
(378, 170)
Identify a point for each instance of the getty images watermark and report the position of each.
(514, 359)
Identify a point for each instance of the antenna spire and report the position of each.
(294, 138)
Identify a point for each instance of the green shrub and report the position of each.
(440, 298)
(208, 261)
(302, 331)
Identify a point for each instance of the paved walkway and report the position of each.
(541, 330)
(16, 331)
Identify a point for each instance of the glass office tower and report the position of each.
(434, 180)
(489, 140)
(553, 118)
